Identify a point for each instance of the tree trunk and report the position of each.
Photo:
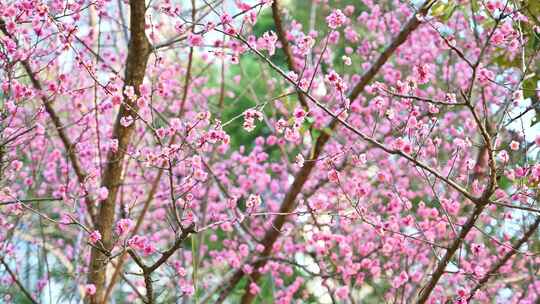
(138, 53)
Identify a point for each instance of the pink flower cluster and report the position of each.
(250, 116)
(336, 19)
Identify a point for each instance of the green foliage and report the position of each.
(444, 11)
(18, 297)
(301, 10)
(532, 84)
(266, 294)
(532, 79)
(265, 23)
(233, 107)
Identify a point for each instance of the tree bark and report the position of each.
(276, 15)
(138, 53)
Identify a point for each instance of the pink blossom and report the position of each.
(335, 80)
(280, 126)
(514, 145)
(226, 18)
(254, 288)
(304, 44)
(268, 42)
(536, 171)
(333, 176)
(422, 73)
(149, 249)
(142, 102)
(129, 91)
(200, 175)
(249, 119)
(187, 289)
(90, 289)
(300, 160)
(17, 165)
(299, 115)
(253, 200)
(94, 237)
(336, 19)
(398, 281)
(137, 242)
(126, 121)
(103, 193)
(123, 226)
(342, 292)
(113, 145)
(194, 39)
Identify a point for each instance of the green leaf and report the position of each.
(443, 11)
(267, 289)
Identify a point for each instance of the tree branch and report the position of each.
(495, 268)
(441, 266)
(301, 177)
(148, 270)
(276, 8)
(139, 50)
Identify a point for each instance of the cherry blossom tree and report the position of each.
(269, 151)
